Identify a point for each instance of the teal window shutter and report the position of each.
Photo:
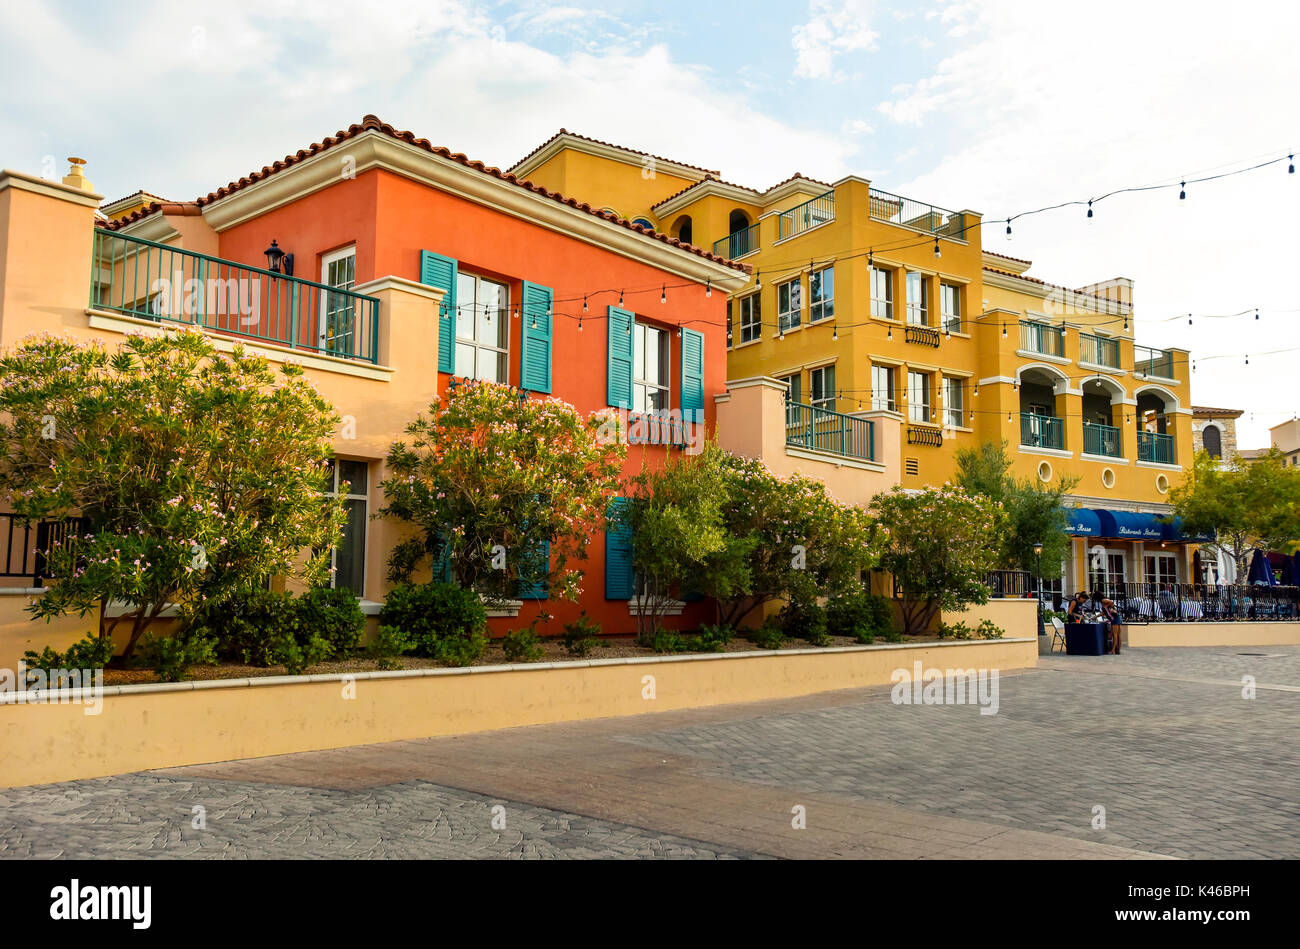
(618, 555)
(692, 375)
(535, 350)
(439, 271)
(618, 368)
(533, 569)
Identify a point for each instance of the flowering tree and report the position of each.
(504, 490)
(940, 545)
(196, 472)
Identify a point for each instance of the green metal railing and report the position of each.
(806, 216)
(1042, 431)
(1099, 350)
(917, 215)
(1153, 362)
(152, 281)
(808, 426)
(738, 243)
(1101, 439)
(1042, 338)
(1153, 446)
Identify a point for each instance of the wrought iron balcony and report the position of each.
(806, 216)
(1101, 439)
(812, 427)
(737, 244)
(1099, 350)
(924, 335)
(916, 215)
(1042, 338)
(1154, 447)
(1042, 431)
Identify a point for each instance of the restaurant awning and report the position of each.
(1082, 522)
(1129, 525)
(1173, 531)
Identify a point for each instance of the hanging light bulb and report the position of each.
(1008, 228)
(620, 298)
(972, 415)
(1290, 169)
(1004, 330)
(871, 260)
(663, 294)
(1247, 360)
(708, 288)
(937, 253)
(1189, 319)
(584, 303)
(1090, 210)
(1182, 194)
(1008, 416)
(1193, 365)
(835, 332)
(758, 280)
(1256, 312)
(579, 324)
(1126, 323)
(534, 321)
(890, 334)
(977, 390)
(516, 311)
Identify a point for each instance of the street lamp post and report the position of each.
(1038, 553)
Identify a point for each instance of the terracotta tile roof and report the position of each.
(135, 194)
(183, 208)
(1019, 260)
(756, 193)
(370, 123)
(1202, 411)
(815, 181)
(713, 173)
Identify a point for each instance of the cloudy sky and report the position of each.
(997, 106)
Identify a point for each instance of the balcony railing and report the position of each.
(924, 335)
(1198, 602)
(737, 244)
(1153, 362)
(151, 281)
(1154, 447)
(1041, 338)
(26, 546)
(809, 426)
(1101, 439)
(1099, 350)
(917, 215)
(805, 216)
(924, 436)
(1042, 431)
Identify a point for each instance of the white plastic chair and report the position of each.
(1058, 633)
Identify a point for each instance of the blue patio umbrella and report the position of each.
(1290, 572)
(1261, 572)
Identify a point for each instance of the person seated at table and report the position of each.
(1114, 625)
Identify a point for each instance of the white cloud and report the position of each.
(1038, 103)
(832, 29)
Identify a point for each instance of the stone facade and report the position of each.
(1225, 421)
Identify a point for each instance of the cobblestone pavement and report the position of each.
(1162, 739)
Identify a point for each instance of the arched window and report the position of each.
(644, 223)
(682, 229)
(1212, 441)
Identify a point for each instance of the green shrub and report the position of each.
(335, 615)
(251, 627)
(170, 657)
(666, 641)
(444, 621)
(89, 653)
(768, 636)
(892, 635)
(987, 629)
(522, 645)
(714, 638)
(580, 636)
(957, 630)
(862, 615)
(804, 619)
(388, 646)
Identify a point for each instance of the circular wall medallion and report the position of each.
(1044, 471)
(1162, 484)
(1108, 477)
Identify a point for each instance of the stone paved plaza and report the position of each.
(1162, 739)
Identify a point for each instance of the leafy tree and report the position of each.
(1032, 512)
(197, 473)
(1245, 505)
(789, 539)
(939, 544)
(676, 525)
(490, 466)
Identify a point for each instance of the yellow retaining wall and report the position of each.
(157, 726)
(1015, 616)
(1212, 634)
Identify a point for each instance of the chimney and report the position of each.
(75, 178)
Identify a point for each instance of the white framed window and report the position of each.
(882, 293)
(953, 401)
(789, 304)
(1111, 573)
(751, 317)
(794, 393)
(651, 355)
(821, 294)
(348, 558)
(918, 396)
(1160, 568)
(338, 318)
(882, 388)
(482, 328)
(950, 306)
(822, 387)
(918, 299)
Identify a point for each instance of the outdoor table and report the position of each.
(1191, 609)
(1149, 609)
(1085, 639)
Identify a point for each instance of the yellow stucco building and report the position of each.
(869, 305)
